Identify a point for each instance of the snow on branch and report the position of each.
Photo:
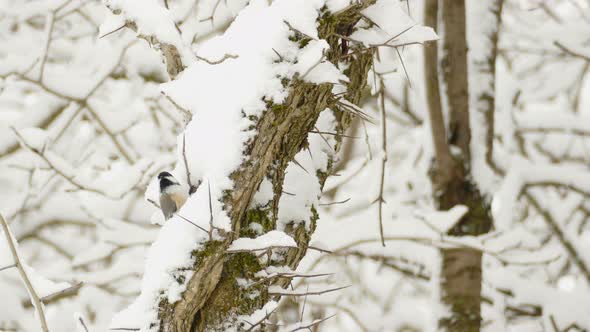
(524, 173)
(153, 22)
(575, 51)
(267, 241)
(538, 121)
(37, 140)
(389, 25)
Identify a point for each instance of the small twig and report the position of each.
(332, 134)
(192, 223)
(32, 293)
(83, 324)
(346, 106)
(335, 203)
(111, 32)
(62, 293)
(296, 30)
(279, 55)
(178, 107)
(300, 166)
(303, 309)
(399, 34)
(210, 211)
(94, 114)
(367, 142)
(66, 292)
(326, 251)
(188, 172)
(308, 293)
(554, 324)
(314, 323)
(216, 62)
(260, 321)
(50, 22)
(323, 138)
(571, 52)
(8, 267)
(573, 254)
(210, 18)
(383, 162)
(404, 67)
(321, 59)
(291, 275)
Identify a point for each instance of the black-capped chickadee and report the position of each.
(172, 194)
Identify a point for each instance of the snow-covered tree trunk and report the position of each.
(458, 146)
(213, 297)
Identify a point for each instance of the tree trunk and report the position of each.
(213, 298)
(461, 272)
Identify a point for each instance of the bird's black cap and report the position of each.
(165, 183)
(163, 174)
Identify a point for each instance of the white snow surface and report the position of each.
(263, 242)
(481, 23)
(150, 16)
(301, 185)
(523, 172)
(443, 221)
(395, 26)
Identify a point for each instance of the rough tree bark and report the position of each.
(213, 297)
(461, 271)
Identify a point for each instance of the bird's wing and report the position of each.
(168, 206)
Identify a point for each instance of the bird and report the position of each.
(172, 194)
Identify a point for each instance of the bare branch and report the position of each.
(32, 293)
(383, 156)
(312, 324)
(64, 293)
(307, 293)
(7, 267)
(71, 179)
(50, 22)
(571, 52)
(568, 246)
(216, 62)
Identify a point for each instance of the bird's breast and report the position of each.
(178, 199)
